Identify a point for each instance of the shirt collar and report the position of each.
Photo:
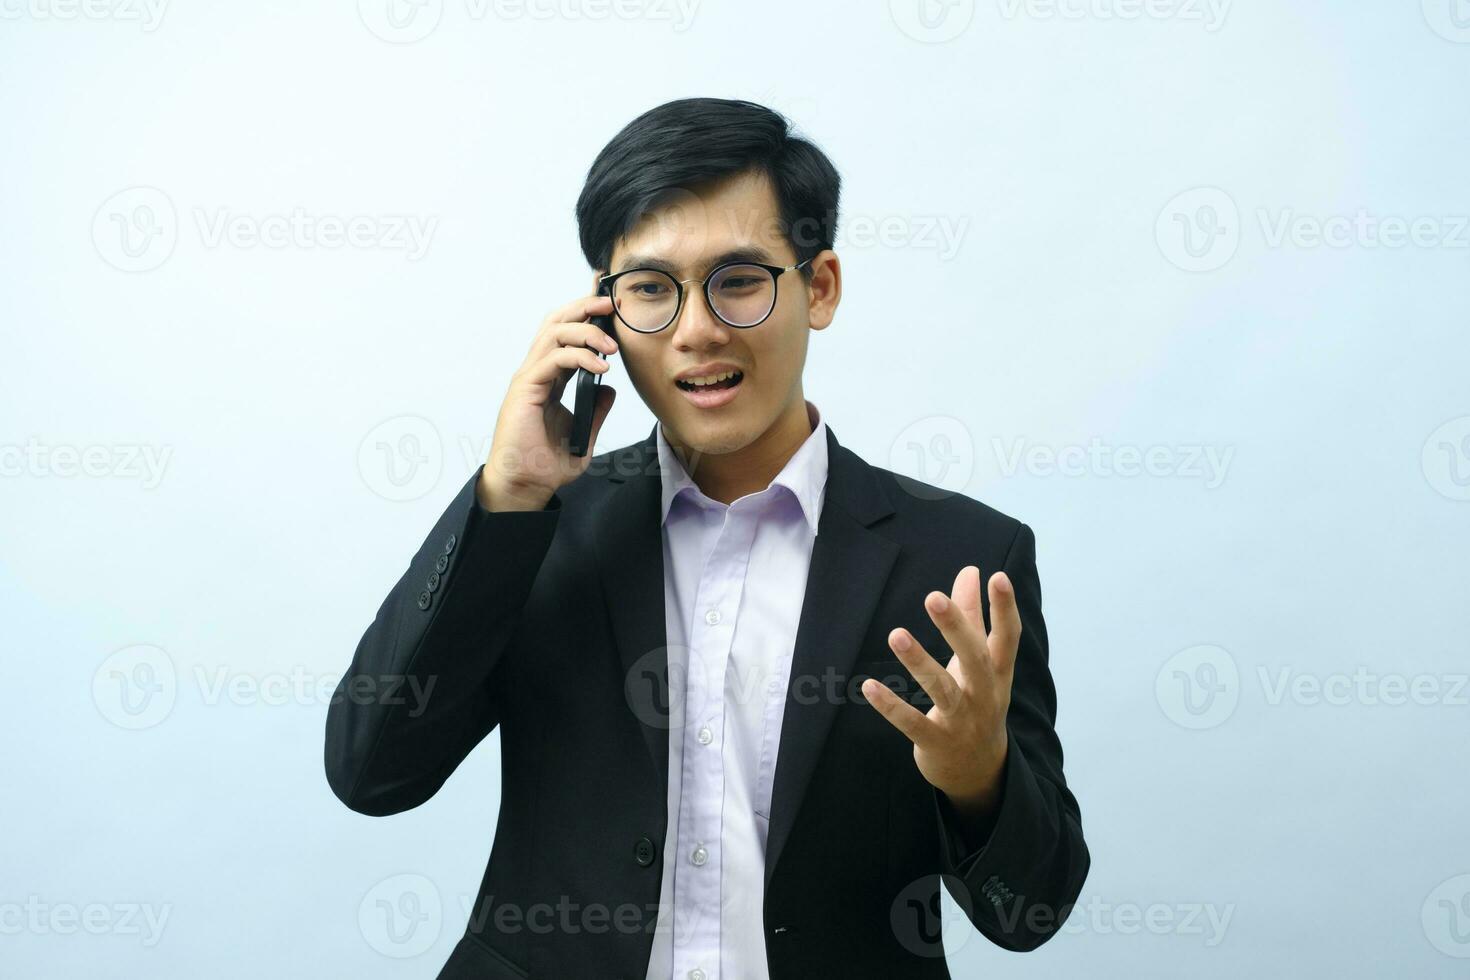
(805, 473)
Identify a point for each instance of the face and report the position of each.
(687, 237)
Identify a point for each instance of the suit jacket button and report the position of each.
(424, 600)
(442, 565)
(644, 851)
(449, 544)
(433, 584)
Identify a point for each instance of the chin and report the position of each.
(713, 437)
(720, 446)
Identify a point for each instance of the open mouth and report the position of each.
(724, 383)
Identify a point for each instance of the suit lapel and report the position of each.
(630, 557)
(849, 568)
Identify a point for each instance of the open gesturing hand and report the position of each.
(960, 743)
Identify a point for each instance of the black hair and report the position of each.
(682, 144)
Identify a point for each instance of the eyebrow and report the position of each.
(749, 253)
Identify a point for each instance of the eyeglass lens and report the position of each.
(741, 295)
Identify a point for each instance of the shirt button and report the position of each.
(712, 617)
(705, 736)
(699, 856)
(696, 974)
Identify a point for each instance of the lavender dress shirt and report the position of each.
(734, 578)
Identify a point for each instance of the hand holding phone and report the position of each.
(585, 399)
(531, 454)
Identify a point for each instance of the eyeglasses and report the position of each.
(741, 294)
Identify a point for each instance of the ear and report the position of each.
(824, 291)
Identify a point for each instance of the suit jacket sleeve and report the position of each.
(1020, 883)
(420, 692)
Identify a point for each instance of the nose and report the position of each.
(696, 327)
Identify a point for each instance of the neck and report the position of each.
(727, 477)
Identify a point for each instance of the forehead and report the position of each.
(688, 228)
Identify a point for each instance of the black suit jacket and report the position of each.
(551, 625)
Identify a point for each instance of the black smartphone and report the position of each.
(586, 394)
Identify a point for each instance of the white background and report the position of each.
(1130, 193)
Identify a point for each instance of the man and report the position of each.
(745, 730)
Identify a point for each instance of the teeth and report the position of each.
(708, 379)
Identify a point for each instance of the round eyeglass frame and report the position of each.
(776, 271)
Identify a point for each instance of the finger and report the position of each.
(576, 311)
(581, 335)
(964, 637)
(966, 595)
(580, 309)
(937, 682)
(1005, 623)
(545, 373)
(900, 714)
